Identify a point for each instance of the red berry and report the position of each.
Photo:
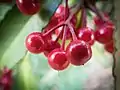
(98, 21)
(60, 13)
(109, 47)
(34, 42)
(109, 23)
(78, 52)
(58, 30)
(87, 35)
(60, 10)
(104, 34)
(53, 22)
(7, 88)
(57, 59)
(28, 7)
(51, 45)
(6, 79)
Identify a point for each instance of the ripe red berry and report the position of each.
(28, 7)
(99, 21)
(58, 30)
(6, 79)
(78, 52)
(104, 34)
(60, 14)
(53, 22)
(35, 43)
(87, 35)
(50, 45)
(109, 23)
(57, 59)
(109, 47)
(60, 10)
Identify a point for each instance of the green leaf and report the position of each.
(24, 78)
(48, 7)
(48, 79)
(12, 47)
(13, 31)
(39, 65)
(32, 71)
(16, 26)
(4, 8)
(29, 71)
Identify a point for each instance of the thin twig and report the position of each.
(72, 31)
(54, 28)
(64, 38)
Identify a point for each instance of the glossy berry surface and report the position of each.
(104, 34)
(60, 10)
(57, 59)
(51, 45)
(28, 7)
(109, 47)
(78, 52)
(60, 15)
(87, 35)
(35, 43)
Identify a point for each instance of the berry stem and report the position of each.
(64, 38)
(72, 32)
(54, 28)
(72, 12)
(64, 27)
(83, 18)
(97, 12)
(59, 35)
(66, 9)
(73, 6)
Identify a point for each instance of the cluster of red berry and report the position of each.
(6, 79)
(104, 33)
(63, 25)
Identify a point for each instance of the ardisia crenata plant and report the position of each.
(63, 25)
(65, 40)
